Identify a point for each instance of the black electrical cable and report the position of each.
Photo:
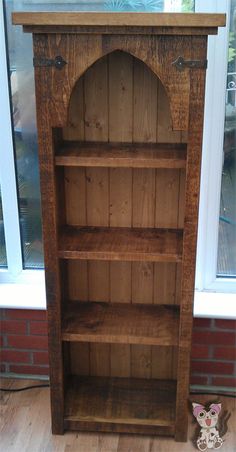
(24, 388)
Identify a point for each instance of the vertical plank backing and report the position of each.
(75, 194)
(144, 130)
(193, 169)
(120, 208)
(166, 215)
(75, 128)
(97, 197)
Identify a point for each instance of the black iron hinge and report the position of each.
(181, 64)
(58, 62)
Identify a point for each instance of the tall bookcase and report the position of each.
(120, 100)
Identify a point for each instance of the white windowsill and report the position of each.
(33, 296)
(215, 305)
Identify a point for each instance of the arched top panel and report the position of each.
(119, 99)
(157, 54)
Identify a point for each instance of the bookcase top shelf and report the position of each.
(119, 19)
(119, 22)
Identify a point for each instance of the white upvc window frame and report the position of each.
(214, 297)
(19, 288)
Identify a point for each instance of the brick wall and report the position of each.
(24, 347)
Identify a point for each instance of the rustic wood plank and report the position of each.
(150, 244)
(97, 196)
(120, 97)
(128, 402)
(120, 128)
(50, 226)
(116, 19)
(121, 323)
(122, 155)
(197, 81)
(119, 30)
(32, 408)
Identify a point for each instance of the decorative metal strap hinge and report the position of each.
(58, 62)
(181, 64)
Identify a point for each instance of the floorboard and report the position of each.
(25, 427)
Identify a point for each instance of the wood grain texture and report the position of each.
(122, 155)
(50, 226)
(124, 402)
(137, 221)
(119, 30)
(155, 245)
(176, 83)
(121, 19)
(26, 419)
(197, 80)
(121, 323)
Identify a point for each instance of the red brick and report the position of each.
(212, 367)
(213, 338)
(200, 351)
(201, 323)
(2, 368)
(38, 328)
(226, 324)
(2, 314)
(223, 381)
(40, 358)
(228, 353)
(30, 370)
(28, 342)
(26, 314)
(13, 326)
(14, 356)
(1, 341)
(198, 380)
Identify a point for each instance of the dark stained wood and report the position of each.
(121, 19)
(115, 30)
(176, 83)
(51, 219)
(121, 213)
(129, 244)
(121, 323)
(197, 81)
(127, 402)
(122, 155)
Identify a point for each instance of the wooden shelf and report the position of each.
(121, 244)
(120, 404)
(122, 155)
(118, 19)
(121, 323)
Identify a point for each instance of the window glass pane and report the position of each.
(25, 140)
(3, 257)
(104, 5)
(227, 226)
(23, 104)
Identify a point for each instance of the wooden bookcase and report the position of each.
(120, 134)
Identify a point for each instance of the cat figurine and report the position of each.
(209, 437)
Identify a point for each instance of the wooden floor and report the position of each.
(25, 427)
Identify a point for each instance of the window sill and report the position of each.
(27, 293)
(215, 305)
(33, 296)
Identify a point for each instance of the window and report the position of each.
(21, 253)
(3, 257)
(226, 261)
